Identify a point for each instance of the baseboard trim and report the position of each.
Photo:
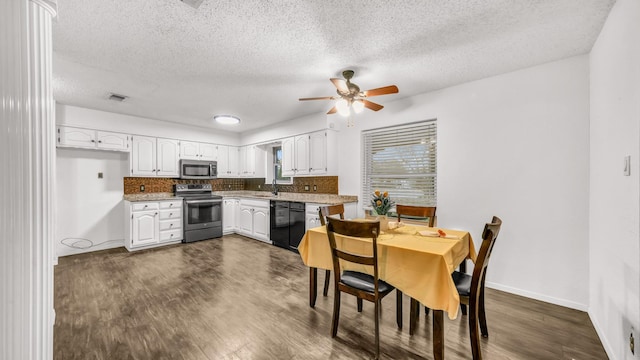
(603, 339)
(536, 296)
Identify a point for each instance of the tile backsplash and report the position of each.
(323, 185)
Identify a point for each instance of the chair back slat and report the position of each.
(417, 211)
(355, 258)
(326, 211)
(489, 236)
(358, 229)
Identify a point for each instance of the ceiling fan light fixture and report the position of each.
(357, 106)
(343, 107)
(226, 119)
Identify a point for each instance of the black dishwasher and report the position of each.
(287, 224)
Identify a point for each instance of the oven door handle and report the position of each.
(203, 201)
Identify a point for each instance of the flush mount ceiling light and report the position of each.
(226, 119)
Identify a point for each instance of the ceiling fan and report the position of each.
(351, 98)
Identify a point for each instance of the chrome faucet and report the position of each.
(273, 184)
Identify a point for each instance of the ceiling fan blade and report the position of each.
(317, 98)
(371, 105)
(341, 85)
(333, 110)
(392, 89)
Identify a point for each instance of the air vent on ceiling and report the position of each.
(117, 97)
(193, 3)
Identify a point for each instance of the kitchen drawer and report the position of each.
(171, 205)
(142, 206)
(171, 235)
(312, 208)
(171, 214)
(170, 224)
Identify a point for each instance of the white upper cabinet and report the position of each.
(295, 155)
(288, 157)
(252, 161)
(310, 154)
(91, 139)
(318, 153)
(113, 141)
(301, 144)
(168, 157)
(228, 157)
(154, 157)
(198, 151)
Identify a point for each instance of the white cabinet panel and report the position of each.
(261, 224)
(228, 215)
(245, 225)
(91, 139)
(189, 150)
(143, 156)
(168, 156)
(112, 141)
(302, 154)
(208, 152)
(198, 151)
(228, 159)
(288, 157)
(318, 153)
(154, 157)
(145, 228)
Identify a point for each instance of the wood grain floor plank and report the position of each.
(237, 298)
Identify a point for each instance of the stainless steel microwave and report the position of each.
(198, 169)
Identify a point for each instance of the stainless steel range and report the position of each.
(202, 212)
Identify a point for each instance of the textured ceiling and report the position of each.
(255, 58)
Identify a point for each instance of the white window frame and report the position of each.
(401, 159)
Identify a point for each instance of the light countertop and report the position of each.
(329, 199)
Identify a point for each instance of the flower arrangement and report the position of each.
(381, 202)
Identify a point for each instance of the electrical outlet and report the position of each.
(141, 188)
(229, 186)
(315, 188)
(259, 186)
(306, 188)
(99, 175)
(632, 343)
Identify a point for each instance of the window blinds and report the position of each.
(403, 161)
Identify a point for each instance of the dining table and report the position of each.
(417, 260)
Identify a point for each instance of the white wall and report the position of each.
(289, 128)
(89, 210)
(614, 210)
(516, 146)
(102, 120)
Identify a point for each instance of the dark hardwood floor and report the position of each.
(237, 298)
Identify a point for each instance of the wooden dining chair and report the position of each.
(361, 285)
(471, 287)
(324, 212)
(420, 213)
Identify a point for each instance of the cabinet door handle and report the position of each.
(146, 205)
(93, 141)
(171, 235)
(170, 225)
(155, 214)
(99, 141)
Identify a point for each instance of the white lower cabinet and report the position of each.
(152, 223)
(253, 219)
(312, 217)
(230, 215)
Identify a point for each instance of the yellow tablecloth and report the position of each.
(419, 266)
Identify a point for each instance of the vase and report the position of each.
(384, 222)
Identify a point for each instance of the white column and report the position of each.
(27, 164)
